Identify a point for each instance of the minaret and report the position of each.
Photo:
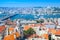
(17, 26)
(6, 31)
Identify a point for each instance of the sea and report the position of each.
(36, 16)
(30, 16)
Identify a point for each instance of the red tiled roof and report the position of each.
(36, 25)
(57, 32)
(34, 35)
(53, 31)
(11, 29)
(26, 27)
(2, 28)
(45, 36)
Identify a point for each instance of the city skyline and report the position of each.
(29, 3)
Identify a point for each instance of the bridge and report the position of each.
(7, 17)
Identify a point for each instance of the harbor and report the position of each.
(28, 24)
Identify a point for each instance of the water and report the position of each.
(33, 17)
(3, 15)
(23, 16)
(30, 16)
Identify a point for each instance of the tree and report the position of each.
(25, 32)
(40, 21)
(28, 32)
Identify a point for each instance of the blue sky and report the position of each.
(29, 3)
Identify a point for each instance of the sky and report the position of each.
(29, 3)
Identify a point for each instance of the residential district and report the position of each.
(34, 23)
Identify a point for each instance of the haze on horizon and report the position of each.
(29, 3)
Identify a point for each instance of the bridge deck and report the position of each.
(6, 17)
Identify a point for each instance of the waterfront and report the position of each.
(29, 24)
(29, 19)
(19, 23)
(30, 16)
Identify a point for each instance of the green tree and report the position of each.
(40, 21)
(25, 32)
(28, 32)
